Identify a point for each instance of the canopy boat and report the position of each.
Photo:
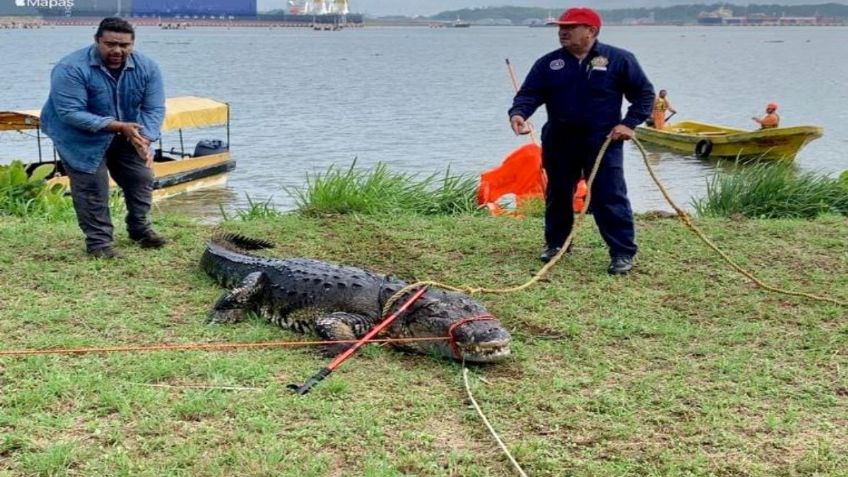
(174, 171)
(709, 140)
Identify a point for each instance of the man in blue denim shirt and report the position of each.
(582, 86)
(105, 108)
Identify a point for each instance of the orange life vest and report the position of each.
(771, 120)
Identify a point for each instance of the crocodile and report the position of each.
(344, 303)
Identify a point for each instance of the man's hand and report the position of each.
(621, 133)
(519, 125)
(142, 147)
(130, 130)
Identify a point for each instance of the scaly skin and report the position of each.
(343, 303)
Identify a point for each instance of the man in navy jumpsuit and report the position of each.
(581, 86)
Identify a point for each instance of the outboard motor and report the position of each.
(208, 147)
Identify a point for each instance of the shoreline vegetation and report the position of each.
(682, 368)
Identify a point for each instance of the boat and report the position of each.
(715, 17)
(460, 24)
(705, 140)
(175, 171)
(550, 21)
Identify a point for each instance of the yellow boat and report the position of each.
(174, 171)
(705, 140)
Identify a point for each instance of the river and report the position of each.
(422, 100)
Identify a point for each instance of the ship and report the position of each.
(715, 17)
(460, 24)
(319, 13)
(547, 22)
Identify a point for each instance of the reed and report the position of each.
(763, 190)
(256, 209)
(379, 191)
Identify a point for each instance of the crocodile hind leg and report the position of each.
(341, 326)
(234, 304)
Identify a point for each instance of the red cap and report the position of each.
(580, 16)
(772, 106)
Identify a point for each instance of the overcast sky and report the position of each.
(430, 7)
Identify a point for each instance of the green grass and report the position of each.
(765, 190)
(25, 195)
(255, 210)
(377, 191)
(681, 369)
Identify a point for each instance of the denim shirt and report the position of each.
(85, 98)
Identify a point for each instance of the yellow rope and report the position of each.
(491, 429)
(687, 221)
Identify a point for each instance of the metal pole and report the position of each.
(304, 388)
(228, 125)
(182, 148)
(38, 140)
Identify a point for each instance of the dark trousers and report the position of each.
(90, 193)
(565, 163)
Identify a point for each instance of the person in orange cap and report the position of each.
(582, 85)
(771, 118)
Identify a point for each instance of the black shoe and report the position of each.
(551, 252)
(105, 253)
(149, 239)
(620, 265)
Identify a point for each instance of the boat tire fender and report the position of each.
(703, 148)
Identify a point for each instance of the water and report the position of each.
(423, 100)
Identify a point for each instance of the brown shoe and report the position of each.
(105, 253)
(150, 239)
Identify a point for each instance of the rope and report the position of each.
(684, 217)
(488, 425)
(205, 346)
(578, 221)
(687, 221)
(453, 327)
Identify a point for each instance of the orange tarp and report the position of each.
(520, 174)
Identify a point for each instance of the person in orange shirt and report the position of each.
(771, 118)
(661, 105)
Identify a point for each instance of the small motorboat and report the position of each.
(705, 140)
(175, 171)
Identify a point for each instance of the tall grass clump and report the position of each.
(255, 210)
(765, 190)
(30, 195)
(378, 191)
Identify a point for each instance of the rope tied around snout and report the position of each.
(457, 353)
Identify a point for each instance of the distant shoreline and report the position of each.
(183, 23)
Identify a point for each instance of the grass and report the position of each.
(255, 210)
(765, 190)
(682, 369)
(377, 191)
(26, 195)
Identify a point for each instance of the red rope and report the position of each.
(452, 340)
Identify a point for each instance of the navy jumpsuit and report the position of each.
(583, 100)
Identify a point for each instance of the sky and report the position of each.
(430, 7)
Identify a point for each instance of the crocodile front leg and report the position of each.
(341, 326)
(234, 304)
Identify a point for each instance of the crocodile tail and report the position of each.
(240, 242)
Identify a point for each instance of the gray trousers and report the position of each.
(90, 193)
